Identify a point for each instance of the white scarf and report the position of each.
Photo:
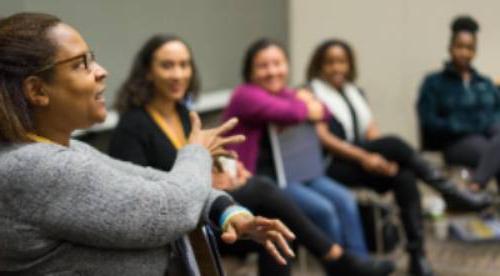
(336, 104)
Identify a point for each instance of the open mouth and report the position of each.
(100, 97)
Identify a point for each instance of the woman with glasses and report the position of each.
(65, 208)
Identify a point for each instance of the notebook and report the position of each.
(296, 153)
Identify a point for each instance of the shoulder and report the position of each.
(432, 80)
(356, 88)
(484, 78)
(27, 165)
(134, 120)
(431, 76)
(83, 147)
(246, 90)
(29, 152)
(133, 116)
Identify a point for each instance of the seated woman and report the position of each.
(155, 123)
(265, 99)
(67, 209)
(459, 109)
(360, 155)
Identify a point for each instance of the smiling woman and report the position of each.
(67, 209)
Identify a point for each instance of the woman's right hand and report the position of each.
(222, 180)
(212, 138)
(376, 163)
(315, 108)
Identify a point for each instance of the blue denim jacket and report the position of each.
(448, 107)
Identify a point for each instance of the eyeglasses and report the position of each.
(88, 58)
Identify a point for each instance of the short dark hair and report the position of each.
(319, 55)
(24, 49)
(137, 90)
(463, 23)
(252, 51)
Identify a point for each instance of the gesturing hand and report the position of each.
(271, 233)
(212, 138)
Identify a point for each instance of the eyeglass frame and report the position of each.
(85, 57)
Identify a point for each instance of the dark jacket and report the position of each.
(449, 108)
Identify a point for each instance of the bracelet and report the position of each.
(231, 212)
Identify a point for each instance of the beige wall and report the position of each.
(396, 41)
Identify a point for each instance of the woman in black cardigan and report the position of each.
(154, 123)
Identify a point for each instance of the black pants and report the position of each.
(263, 197)
(478, 151)
(403, 184)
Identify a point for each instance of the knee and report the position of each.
(341, 195)
(264, 188)
(324, 212)
(399, 145)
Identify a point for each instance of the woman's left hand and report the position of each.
(271, 233)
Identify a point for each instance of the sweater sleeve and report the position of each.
(215, 205)
(76, 197)
(257, 105)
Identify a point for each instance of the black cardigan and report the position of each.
(138, 139)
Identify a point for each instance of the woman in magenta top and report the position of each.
(265, 99)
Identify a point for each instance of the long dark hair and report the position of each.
(252, 51)
(319, 55)
(137, 90)
(24, 49)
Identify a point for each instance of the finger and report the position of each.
(229, 236)
(195, 121)
(225, 127)
(276, 225)
(280, 240)
(220, 152)
(283, 229)
(273, 251)
(233, 139)
(234, 154)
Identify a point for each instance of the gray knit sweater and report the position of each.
(75, 211)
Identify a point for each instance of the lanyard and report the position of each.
(177, 141)
(39, 139)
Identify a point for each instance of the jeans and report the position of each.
(333, 208)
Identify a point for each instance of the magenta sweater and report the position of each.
(256, 108)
